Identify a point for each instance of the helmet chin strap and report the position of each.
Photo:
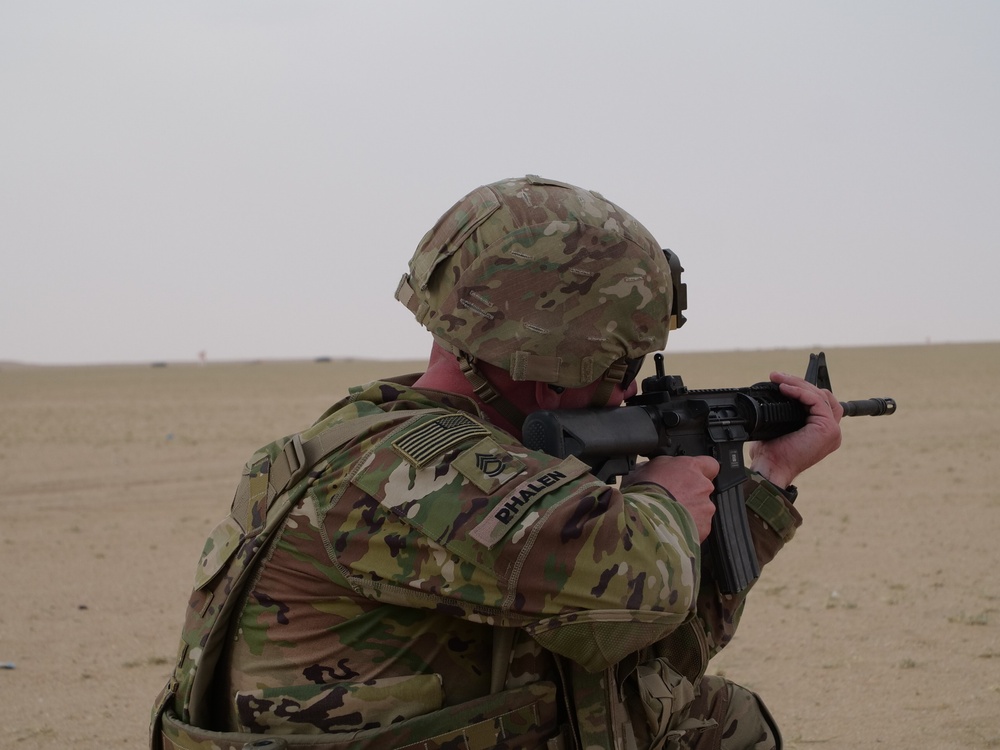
(486, 393)
(610, 379)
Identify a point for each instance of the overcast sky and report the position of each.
(249, 179)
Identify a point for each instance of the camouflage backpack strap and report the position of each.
(270, 487)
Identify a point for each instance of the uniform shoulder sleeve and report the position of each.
(480, 523)
(462, 484)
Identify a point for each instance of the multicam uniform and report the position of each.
(433, 562)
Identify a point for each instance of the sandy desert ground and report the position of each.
(879, 627)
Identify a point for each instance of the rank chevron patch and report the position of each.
(488, 466)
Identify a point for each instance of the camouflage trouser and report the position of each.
(714, 715)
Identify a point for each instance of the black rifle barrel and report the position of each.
(869, 407)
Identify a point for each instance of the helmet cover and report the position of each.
(546, 280)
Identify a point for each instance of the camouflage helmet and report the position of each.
(545, 280)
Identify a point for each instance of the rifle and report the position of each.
(667, 419)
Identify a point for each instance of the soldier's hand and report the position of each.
(782, 459)
(688, 479)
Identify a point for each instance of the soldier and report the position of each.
(406, 574)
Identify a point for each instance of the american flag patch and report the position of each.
(432, 438)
